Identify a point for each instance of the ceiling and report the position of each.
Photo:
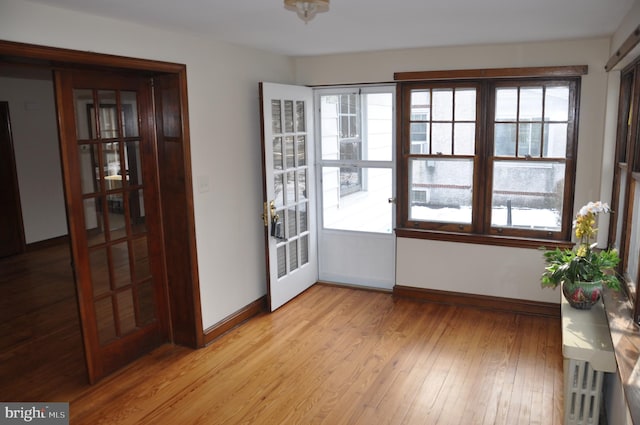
(366, 25)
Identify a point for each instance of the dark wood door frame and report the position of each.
(175, 176)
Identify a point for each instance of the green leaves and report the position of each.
(593, 266)
(584, 263)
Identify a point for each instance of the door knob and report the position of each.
(269, 213)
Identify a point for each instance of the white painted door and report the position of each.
(288, 187)
(355, 152)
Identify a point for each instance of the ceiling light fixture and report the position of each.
(307, 9)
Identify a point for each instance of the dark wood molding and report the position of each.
(189, 213)
(176, 197)
(627, 46)
(626, 344)
(542, 71)
(235, 319)
(53, 56)
(481, 239)
(510, 305)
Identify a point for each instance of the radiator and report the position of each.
(582, 393)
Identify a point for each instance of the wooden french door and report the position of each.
(289, 197)
(111, 184)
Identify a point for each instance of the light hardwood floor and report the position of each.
(341, 356)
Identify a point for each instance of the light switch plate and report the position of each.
(203, 183)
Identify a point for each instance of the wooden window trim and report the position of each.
(481, 231)
(627, 46)
(460, 74)
(405, 156)
(627, 164)
(569, 160)
(482, 239)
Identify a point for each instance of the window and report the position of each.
(488, 158)
(624, 227)
(442, 143)
(531, 124)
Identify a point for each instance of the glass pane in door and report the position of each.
(146, 304)
(356, 131)
(93, 219)
(277, 153)
(114, 211)
(105, 320)
(120, 260)
(141, 266)
(99, 263)
(126, 311)
(108, 124)
(282, 261)
(290, 180)
(366, 210)
(132, 165)
(89, 167)
(136, 212)
(129, 114)
(84, 112)
(379, 127)
(288, 116)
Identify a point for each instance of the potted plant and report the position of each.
(583, 270)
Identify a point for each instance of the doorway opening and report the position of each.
(40, 339)
(171, 158)
(356, 184)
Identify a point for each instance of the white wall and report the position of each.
(474, 269)
(224, 128)
(506, 272)
(627, 26)
(35, 143)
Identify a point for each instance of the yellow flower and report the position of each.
(585, 222)
(582, 250)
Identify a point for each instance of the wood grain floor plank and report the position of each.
(505, 329)
(480, 380)
(394, 392)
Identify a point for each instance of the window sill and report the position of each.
(626, 344)
(482, 239)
